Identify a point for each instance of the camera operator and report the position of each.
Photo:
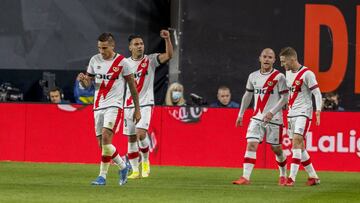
(331, 102)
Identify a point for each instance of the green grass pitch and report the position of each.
(40, 182)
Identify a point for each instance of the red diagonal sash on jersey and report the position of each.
(297, 83)
(143, 66)
(270, 84)
(115, 69)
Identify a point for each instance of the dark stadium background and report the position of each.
(217, 47)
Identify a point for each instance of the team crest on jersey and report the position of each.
(270, 83)
(115, 69)
(297, 82)
(143, 65)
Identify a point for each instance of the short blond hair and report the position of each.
(174, 86)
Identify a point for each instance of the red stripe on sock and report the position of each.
(281, 164)
(133, 155)
(296, 161)
(144, 150)
(307, 162)
(115, 154)
(249, 160)
(105, 159)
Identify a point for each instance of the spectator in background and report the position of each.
(175, 95)
(56, 96)
(224, 98)
(331, 102)
(83, 95)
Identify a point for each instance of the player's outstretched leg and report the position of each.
(281, 161)
(248, 165)
(309, 168)
(145, 163)
(133, 155)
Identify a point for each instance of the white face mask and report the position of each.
(176, 95)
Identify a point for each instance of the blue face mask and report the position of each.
(176, 95)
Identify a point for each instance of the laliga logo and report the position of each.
(187, 114)
(331, 143)
(328, 143)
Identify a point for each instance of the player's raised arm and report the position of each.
(134, 94)
(164, 57)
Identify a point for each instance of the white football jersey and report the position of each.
(300, 84)
(267, 90)
(109, 80)
(144, 76)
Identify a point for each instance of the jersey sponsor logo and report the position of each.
(296, 87)
(138, 75)
(261, 103)
(105, 88)
(107, 76)
(142, 71)
(264, 91)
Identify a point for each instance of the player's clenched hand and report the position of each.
(164, 34)
(81, 77)
(136, 116)
(239, 122)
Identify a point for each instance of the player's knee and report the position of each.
(298, 141)
(141, 133)
(132, 138)
(106, 136)
(277, 149)
(252, 146)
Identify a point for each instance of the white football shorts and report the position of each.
(144, 123)
(257, 131)
(298, 125)
(107, 118)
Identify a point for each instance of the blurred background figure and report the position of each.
(224, 98)
(83, 95)
(175, 95)
(331, 102)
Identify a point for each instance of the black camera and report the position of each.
(329, 104)
(197, 100)
(10, 93)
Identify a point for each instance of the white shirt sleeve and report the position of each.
(310, 80)
(154, 62)
(127, 69)
(246, 99)
(91, 68)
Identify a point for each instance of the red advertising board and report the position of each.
(186, 136)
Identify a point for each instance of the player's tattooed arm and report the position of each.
(164, 57)
(134, 94)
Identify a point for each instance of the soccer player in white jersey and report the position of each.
(144, 66)
(268, 86)
(111, 71)
(302, 84)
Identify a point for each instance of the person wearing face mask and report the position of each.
(175, 95)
